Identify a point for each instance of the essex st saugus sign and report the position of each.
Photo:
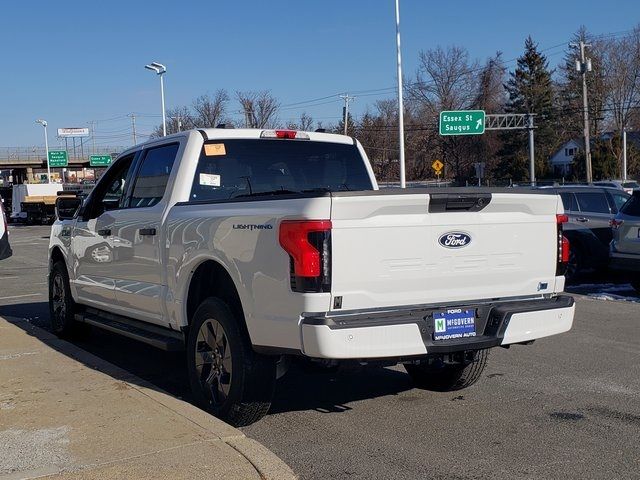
(462, 122)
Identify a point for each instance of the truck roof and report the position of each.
(240, 133)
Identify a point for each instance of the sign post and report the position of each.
(100, 160)
(462, 122)
(437, 166)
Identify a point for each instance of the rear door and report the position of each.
(137, 237)
(402, 249)
(595, 213)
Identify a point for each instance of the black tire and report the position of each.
(62, 308)
(228, 379)
(446, 377)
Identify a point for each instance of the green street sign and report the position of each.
(100, 160)
(58, 158)
(462, 122)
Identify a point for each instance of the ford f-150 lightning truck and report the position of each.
(249, 247)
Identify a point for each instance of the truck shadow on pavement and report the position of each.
(325, 391)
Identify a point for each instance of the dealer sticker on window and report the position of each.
(209, 179)
(454, 323)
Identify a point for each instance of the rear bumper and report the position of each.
(408, 332)
(627, 262)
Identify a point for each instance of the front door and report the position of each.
(92, 245)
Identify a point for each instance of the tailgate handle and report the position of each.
(105, 232)
(150, 232)
(458, 202)
(582, 219)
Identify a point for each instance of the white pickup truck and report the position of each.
(247, 247)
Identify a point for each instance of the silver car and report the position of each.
(625, 246)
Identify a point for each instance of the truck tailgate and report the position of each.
(390, 250)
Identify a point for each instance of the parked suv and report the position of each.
(625, 246)
(627, 185)
(590, 210)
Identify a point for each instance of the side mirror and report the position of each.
(67, 207)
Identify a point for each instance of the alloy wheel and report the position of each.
(213, 361)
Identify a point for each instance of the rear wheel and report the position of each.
(227, 377)
(443, 377)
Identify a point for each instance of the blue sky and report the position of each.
(72, 62)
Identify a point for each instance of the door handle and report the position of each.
(582, 219)
(147, 231)
(105, 232)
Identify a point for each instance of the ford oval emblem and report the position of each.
(454, 240)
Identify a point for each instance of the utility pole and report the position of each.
(345, 109)
(532, 157)
(624, 154)
(92, 125)
(403, 183)
(133, 128)
(583, 65)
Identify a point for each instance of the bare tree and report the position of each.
(305, 123)
(622, 64)
(210, 111)
(178, 119)
(445, 79)
(259, 108)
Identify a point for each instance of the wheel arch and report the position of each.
(211, 279)
(55, 255)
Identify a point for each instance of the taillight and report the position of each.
(308, 243)
(563, 245)
(286, 134)
(616, 224)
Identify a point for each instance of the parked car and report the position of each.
(626, 185)
(5, 248)
(625, 245)
(249, 247)
(590, 210)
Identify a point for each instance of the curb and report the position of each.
(268, 465)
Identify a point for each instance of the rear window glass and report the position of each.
(632, 207)
(238, 168)
(619, 199)
(569, 201)
(594, 202)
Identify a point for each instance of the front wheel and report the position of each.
(62, 308)
(442, 377)
(227, 377)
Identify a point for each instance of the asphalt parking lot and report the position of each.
(564, 407)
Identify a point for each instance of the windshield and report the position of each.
(631, 185)
(259, 167)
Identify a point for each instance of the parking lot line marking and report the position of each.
(22, 296)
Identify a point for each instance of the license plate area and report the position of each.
(454, 324)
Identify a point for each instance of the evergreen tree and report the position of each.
(530, 90)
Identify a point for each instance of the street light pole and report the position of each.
(46, 147)
(403, 182)
(160, 70)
